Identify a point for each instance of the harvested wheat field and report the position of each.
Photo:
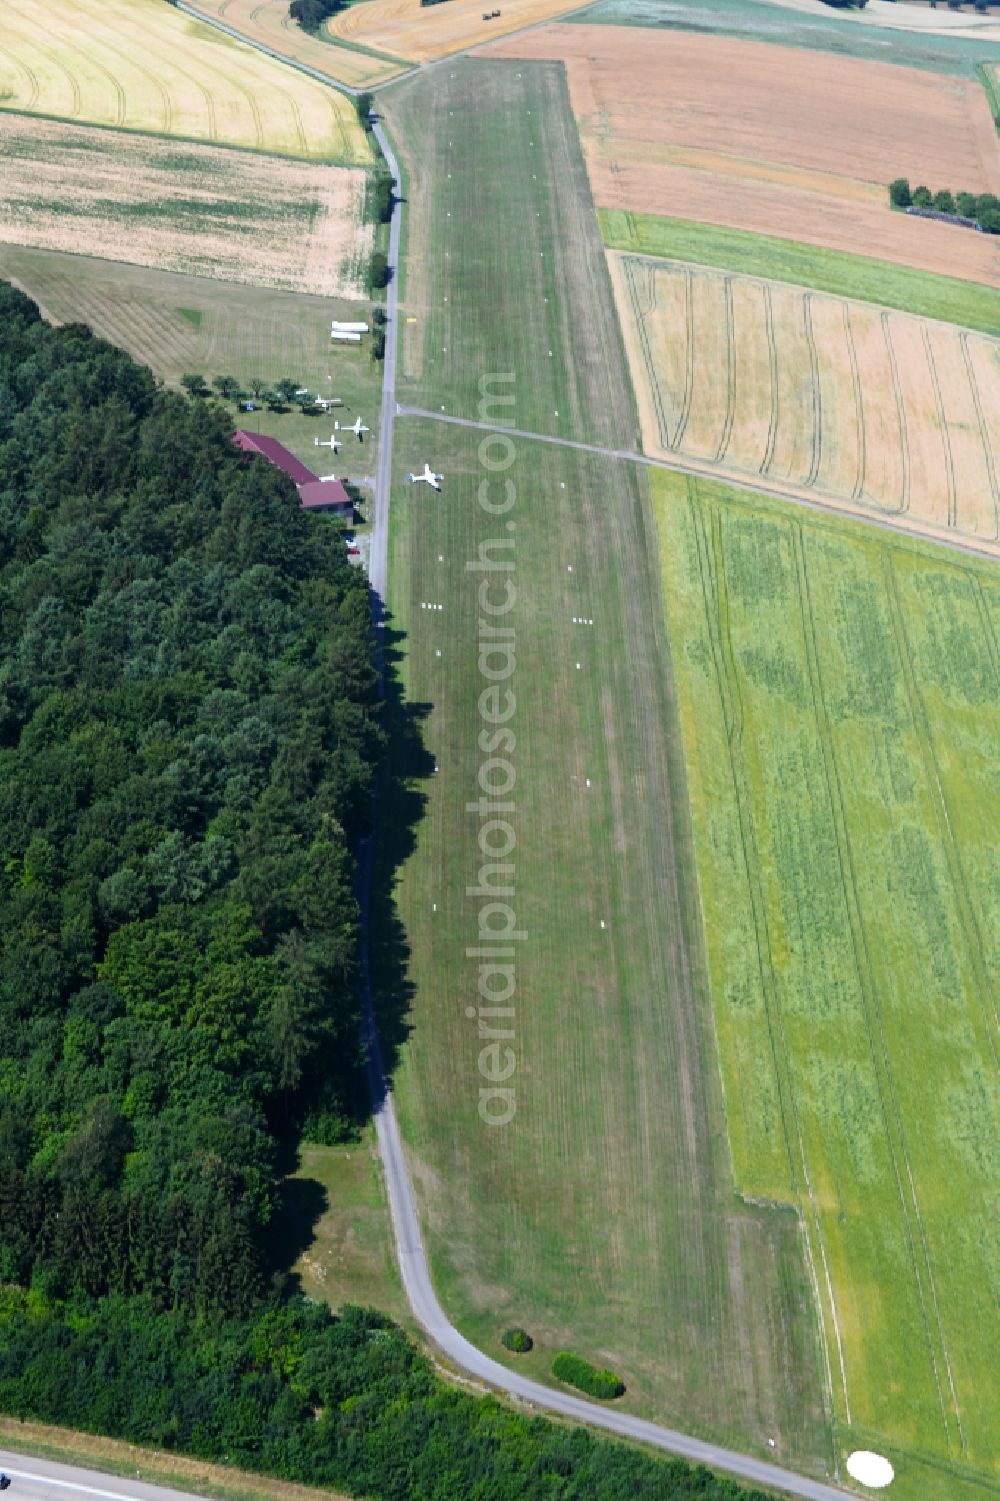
(408, 29)
(142, 65)
(816, 395)
(729, 133)
(263, 221)
(268, 21)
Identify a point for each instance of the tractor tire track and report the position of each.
(966, 910)
(712, 571)
(34, 88)
(685, 412)
(859, 406)
(727, 426)
(299, 127)
(892, 1122)
(897, 392)
(643, 305)
(984, 434)
(772, 352)
(949, 464)
(817, 395)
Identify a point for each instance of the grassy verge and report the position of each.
(341, 1191)
(923, 292)
(841, 712)
(601, 1217)
(114, 1457)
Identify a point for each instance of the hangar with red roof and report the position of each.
(315, 494)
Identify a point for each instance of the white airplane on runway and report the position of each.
(334, 443)
(427, 478)
(357, 428)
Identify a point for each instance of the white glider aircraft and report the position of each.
(427, 478)
(334, 443)
(357, 427)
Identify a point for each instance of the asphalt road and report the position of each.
(45, 1480)
(884, 522)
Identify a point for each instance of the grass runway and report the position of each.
(603, 1217)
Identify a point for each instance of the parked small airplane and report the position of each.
(326, 402)
(334, 443)
(428, 478)
(357, 427)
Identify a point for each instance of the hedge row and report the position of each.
(576, 1371)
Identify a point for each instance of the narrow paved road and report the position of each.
(45, 1480)
(889, 523)
(281, 57)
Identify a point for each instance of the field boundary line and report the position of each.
(150, 134)
(859, 406)
(984, 433)
(949, 466)
(730, 417)
(895, 1137)
(897, 392)
(613, 241)
(712, 572)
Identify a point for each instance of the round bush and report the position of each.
(517, 1340)
(576, 1371)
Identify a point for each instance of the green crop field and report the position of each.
(844, 35)
(840, 702)
(176, 323)
(602, 1216)
(921, 292)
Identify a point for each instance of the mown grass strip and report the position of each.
(923, 292)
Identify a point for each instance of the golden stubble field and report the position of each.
(143, 65)
(815, 395)
(268, 21)
(263, 221)
(795, 144)
(423, 33)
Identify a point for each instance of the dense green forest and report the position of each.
(189, 731)
(295, 1392)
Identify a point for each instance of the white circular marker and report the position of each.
(871, 1470)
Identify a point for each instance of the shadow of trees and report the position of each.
(401, 806)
